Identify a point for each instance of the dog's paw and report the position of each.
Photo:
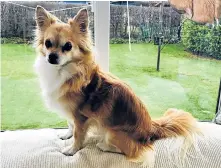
(107, 148)
(69, 150)
(65, 136)
(102, 146)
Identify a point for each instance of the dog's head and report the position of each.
(62, 43)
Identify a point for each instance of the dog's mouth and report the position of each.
(67, 63)
(73, 60)
(57, 62)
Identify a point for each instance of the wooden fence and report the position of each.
(18, 21)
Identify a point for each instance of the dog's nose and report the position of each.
(53, 58)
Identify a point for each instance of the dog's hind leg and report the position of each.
(107, 147)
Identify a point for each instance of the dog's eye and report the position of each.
(48, 44)
(67, 47)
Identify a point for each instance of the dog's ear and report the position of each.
(43, 18)
(80, 21)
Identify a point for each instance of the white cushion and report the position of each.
(42, 149)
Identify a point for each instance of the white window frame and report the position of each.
(101, 11)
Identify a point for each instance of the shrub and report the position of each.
(14, 40)
(118, 41)
(125, 41)
(201, 39)
(172, 40)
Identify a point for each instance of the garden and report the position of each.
(189, 76)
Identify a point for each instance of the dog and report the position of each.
(74, 85)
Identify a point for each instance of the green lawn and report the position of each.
(184, 81)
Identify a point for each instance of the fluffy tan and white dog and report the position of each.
(73, 84)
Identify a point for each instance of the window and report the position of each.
(187, 79)
(188, 76)
(22, 103)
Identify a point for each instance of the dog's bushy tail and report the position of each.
(179, 129)
(175, 123)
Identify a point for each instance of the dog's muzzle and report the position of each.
(53, 58)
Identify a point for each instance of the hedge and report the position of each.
(201, 39)
(15, 40)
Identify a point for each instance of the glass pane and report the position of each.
(187, 79)
(22, 103)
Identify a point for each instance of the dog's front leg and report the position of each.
(79, 132)
(68, 134)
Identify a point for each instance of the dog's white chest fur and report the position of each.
(51, 79)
